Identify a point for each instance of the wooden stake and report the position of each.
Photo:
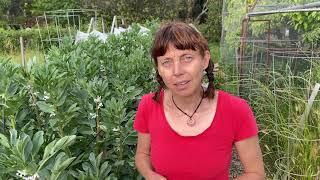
(23, 59)
(102, 20)
(89, 28)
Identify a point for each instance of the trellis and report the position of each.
(278, 52)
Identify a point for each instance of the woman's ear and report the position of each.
(157, 68)
(160, 74)
(206, 58)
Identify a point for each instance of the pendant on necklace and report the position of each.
(191, 122)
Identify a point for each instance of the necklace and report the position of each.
(190, 122)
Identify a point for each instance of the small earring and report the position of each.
(204, 72)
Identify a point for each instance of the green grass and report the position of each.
(291, 150)
(30, 54)
(215, 51)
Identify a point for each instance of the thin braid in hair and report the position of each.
(209, 71)
(161, 85)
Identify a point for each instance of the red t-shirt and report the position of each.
(206, 156)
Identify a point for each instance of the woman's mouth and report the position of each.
(181, 85)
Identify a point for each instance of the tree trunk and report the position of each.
(204, 11)
(191, 4)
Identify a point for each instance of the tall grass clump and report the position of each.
(287, 107)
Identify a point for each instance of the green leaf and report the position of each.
(52, 148)
(45, 107)
(60, 164)
(65, 163)
(93, 162)
(1, 104)
(46, 155)
(53, 122)
(24, 146)
(13, 137)
(28, 149)
(73, 108)
(12, 89)
(131, 140)
(119, 163)
(21, 115)
(37, 141)
(86, 166)
(99, 157)
(63, 143)
(4, 141)
(305, 26)
(61, 99)
(105, 169)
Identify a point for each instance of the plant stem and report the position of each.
(3, 120)
(34, 101)
(97, 128)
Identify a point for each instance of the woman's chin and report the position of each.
(183, 92)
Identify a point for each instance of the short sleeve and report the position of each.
(245, 125)
(141, 122)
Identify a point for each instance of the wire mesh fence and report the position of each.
(272, 65)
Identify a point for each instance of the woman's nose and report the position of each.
(177, 69)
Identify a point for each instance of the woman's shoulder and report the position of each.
(235, 105)
(148, 96)
(230, 98)
(147, 103)
(148, 99)
(233, 102)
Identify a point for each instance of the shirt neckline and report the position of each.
(192, 136)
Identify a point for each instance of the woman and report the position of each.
(185, 130)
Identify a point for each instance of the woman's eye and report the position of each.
(187, 58)
(165, 63)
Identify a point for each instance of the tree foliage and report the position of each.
(131, 10)
(302, 22)
(4, 4)
(39, 6)
(142, 10)
(214, 18)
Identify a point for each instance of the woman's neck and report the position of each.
(187, 103)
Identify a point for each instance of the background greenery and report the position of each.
(19, 14)
(68, 114)
(71, 117)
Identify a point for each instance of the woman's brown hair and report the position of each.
(182, 36)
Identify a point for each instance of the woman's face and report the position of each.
(182, 70)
